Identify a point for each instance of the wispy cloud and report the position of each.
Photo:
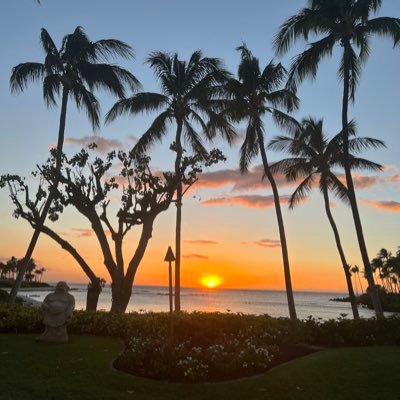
(201, 241)
(247, 182)
(361, 181)
(249, 201)
(253, 180)
(270, 243)
(393, 206)
(79, 232)
(193, 255)
(367, 181)
(104, 145)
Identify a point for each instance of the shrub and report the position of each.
(208, 346)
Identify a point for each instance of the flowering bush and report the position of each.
(208, 346)
(230, 356)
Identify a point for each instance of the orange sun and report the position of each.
(210, 281)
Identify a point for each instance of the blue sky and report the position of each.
(27, 127)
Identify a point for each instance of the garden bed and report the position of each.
(209, 347)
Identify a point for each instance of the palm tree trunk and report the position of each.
(282, 235)
(178, 227)
(359, 280)
(345, 265)
(43, 216)
(372, 289)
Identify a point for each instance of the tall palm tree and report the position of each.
(313, 158)
(189, 99)
(255, 94)
(72, 71)
(346, 23)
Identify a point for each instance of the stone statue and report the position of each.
(57, 311)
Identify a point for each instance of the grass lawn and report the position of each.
(82, 370)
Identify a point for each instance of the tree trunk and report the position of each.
(121, 294)
(178, 227)
(43, 216)
(372, 289)
(345, 265)
(282, 235)
(93, 293)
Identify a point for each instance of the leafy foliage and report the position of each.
(208, 346)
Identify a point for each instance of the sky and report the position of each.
(229, 223)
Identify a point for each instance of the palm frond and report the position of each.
(358, 144)
(155, 133)
(301, 192)
(273, 76)
(219, 124)
(285, 121)
(193, 139)
(307, 21)
(386, 27)
(292, 168)
(354, 64)
(26, 72)
(280, 143)
(306, 64)
(107, 48)
(362, 163)
(333, 184)
(139, 103)
(86, 99)
(161, 63)
(284, 99)
(250, 146)
(108, 77)
(51, 88)
(48, 44)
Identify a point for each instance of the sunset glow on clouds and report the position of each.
(251, 201)
(270, 243)
(383, 205)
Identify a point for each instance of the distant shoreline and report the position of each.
(9, 283)
(390, 301)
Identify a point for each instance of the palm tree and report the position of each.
(253, 95)
(72, 71)
(189, 98)
(347, 23)
(313, 157)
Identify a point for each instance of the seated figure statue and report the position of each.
(57, 311)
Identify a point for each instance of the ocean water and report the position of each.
(273, 303)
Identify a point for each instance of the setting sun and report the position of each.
(210, 281)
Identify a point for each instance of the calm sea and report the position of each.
(155, 298)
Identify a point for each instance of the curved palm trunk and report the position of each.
(345, 265)
(372, 289)
(178, 227)
(285, 255)
(43, 216)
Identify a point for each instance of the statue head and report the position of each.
(62, 287)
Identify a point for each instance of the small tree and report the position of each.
(86, 185)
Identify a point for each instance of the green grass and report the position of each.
(82, 370)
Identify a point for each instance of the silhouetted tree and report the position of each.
(73, 71)
(346, 23)
(188, 100)
(87, 185)
(255, 94)
(313, 158)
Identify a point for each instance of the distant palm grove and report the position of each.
(200, 100)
